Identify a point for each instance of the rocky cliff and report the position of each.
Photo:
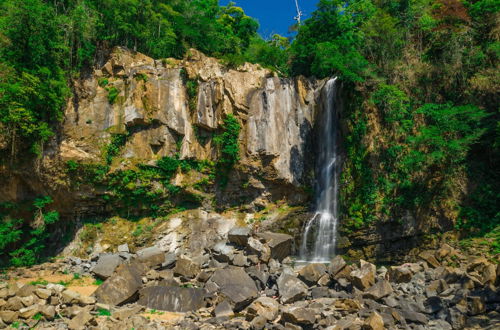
(175, 108)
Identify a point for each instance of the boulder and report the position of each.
(9, 316)
(291, 288)
(475, 305)
(122, 285)
(380, 290)
(240, 260)
(374, 322)
(444, 251)
(239, 235)
(123, 248)
(254, 246)
(236, 285)
(414, 316)
(311, 273)
(172, 299)
(80, 320)
(70, 297)
(43, 293)
(265, 307)
(336, 265)
(280, 244)
(364, 277)
(223, 252)
(400, 274)
(299, 315)
(186, 268)
(151, 256)
(29, 312)
(436, 287)
(428, 256)
(106, 265)
(224, 309)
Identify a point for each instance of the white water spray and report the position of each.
(319, 238)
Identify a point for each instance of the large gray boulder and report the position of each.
(291, 288)
(187, 268)
(172, 299)
(280, 244)
(122, 285)
(106, 265)
(236, 285)
(380, 290)
(151, 256)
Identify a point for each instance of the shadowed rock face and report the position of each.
(172, 299)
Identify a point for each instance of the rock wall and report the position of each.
(149, 100)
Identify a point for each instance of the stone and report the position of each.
(14, 304)
(374, 322)
(380, 290)
(299, 315)
(433, 304)
(475, 305)
(280, 244)
(265, 307)
(336, 265)
(70, 297)
(126, 312)
(172, 299)
(444, 251)
(489, 274)
(364, 277)
(224, 309)
(428, 256)
(9, 316)
(55, 288)
(254, 246)
(236, 285)
(291, 288)
(123, 248)
(170, 259)
(151, 256)
(43, 293)
(122, 285)
(86, 300)
(26, 290)
(311, 273)
(240, 260)
(239, 235)
(436, 287)
(80, 320)
(400, 274)
(258, 323)
(259, 275)
(106, 265)
(223, 252)
(414, 316)
(324, 280)
(49, 312)
(456, 318)
(29, 312)
(186, 268)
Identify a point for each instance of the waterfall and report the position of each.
(319, 237)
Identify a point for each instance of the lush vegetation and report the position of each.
(421, 83)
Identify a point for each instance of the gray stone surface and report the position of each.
(291, 288)
(106, 265)
(236, 285)
(172, 299)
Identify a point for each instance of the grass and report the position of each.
(103, 312)
(98, 282)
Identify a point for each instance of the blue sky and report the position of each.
(274, 16)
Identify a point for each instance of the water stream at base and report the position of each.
(319, 237)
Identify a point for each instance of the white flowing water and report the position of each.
(318, 239)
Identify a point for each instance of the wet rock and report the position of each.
(239, 235)
(380, 290)
(186, 268)
(122, 285)
(336, 265)
(291, 288)
(374, 322)
(311, 273)
(172, 299)
(280, 244)
(106, 265)
(151, 256)
(299, 315)
(265, 307)
(236, 285)
(364, 277)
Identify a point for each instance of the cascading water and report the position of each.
(318, 240)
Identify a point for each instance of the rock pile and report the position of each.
(250, 282)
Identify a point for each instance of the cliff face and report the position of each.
(172, 107)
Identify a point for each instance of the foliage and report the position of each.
(228, 145)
